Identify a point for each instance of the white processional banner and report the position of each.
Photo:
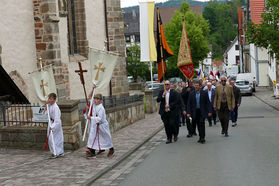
(102, 65)
(147, 41)
(44, 83)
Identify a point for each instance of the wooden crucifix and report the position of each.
(80, 73)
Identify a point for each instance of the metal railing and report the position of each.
(157, 90)
(18, 115)
(113, 101)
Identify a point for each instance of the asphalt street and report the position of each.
(250, 156)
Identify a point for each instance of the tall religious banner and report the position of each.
(185, 62)
(102, 64)
(44, 83)
(147, 40)
(163, 49)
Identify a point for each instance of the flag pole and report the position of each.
(161, 47)
(87, 120)
(162, 57)
(151, 74)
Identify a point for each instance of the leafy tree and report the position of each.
(266, 34)
(135, 67)
(197, 30)
(222, 18)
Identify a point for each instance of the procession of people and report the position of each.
(195, 101)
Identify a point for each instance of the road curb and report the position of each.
(266, 102)
(127, 154)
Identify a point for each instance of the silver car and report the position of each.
(245, 87)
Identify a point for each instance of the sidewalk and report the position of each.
(266, 95)
(30, 167)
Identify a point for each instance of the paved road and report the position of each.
(250, 156)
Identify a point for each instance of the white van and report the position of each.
(248, 77)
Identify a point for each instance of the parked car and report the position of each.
(155, 85)
(175, 80)
(131, 79)
(244, 86)
(248, 77)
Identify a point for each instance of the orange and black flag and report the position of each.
(163, 49)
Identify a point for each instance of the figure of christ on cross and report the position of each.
(80, 73)
(43, 87)
(99, 68)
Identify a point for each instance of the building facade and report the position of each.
(253, 59)
(231, 55)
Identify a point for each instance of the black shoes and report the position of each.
(226, 135)
(189, 135)
(202, 141)
(100, 152)
(89, 154)
(168, 141)
(110, 153)
(175, 138)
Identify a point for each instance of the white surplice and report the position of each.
(103, 139)
(56, 125)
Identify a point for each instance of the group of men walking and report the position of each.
(197, 102)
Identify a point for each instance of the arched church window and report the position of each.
(72, 36)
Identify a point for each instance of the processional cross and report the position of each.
(99, 68)
(43, 87)
(80, 73)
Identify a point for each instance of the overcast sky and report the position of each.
(127, 3)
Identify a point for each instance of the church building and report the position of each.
(61, 33)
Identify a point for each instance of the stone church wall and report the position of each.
(17, 38)
(38, 28)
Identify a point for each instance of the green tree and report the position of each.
(222, 18)
(197, 30)
(135, 67)
(266, 34)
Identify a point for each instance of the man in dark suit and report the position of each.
(211, 94)
(237, 98)
(169, 108)
(198, 107)
(185, 95)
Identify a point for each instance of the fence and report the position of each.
(112, 101)
(22, 114)
(157, 90)
(19, 115)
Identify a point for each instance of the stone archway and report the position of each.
(19, 81)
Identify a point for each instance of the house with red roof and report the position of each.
(253, 59)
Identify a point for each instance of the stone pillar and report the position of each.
(48, 43)
(150, 102)
(116, 41)
(71, 124)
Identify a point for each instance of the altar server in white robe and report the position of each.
(99, 136)
(55, 127)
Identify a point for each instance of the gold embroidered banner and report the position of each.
(185, 62)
